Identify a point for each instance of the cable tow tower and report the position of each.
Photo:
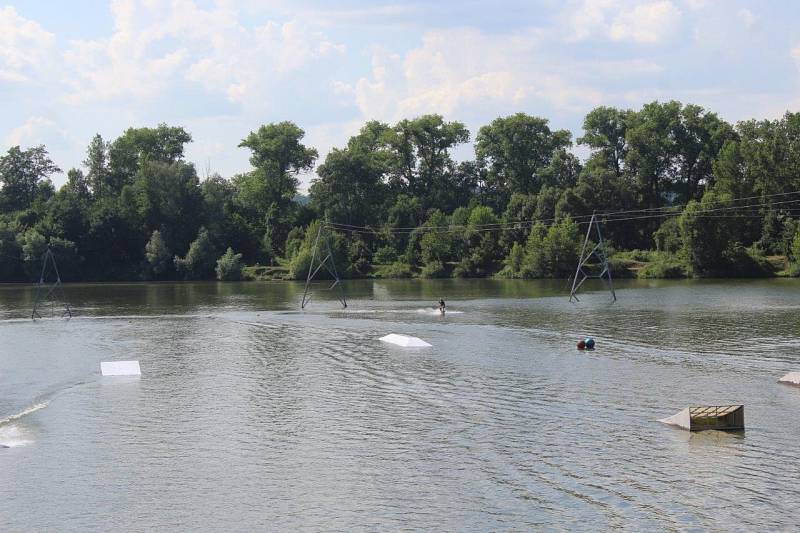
(592, 262)
(49, 291)
(328, 263)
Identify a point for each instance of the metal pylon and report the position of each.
(328, 263)
(596, 256)
(46, 290)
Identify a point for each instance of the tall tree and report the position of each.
(267, 192)
(517, 149)
(605, 130)
(96, 164)
(351, 187)
(164, 144)
(168, 199)
(22, 175)
(423, 165)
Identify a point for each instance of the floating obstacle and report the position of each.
(120, 368)
(405, 341)
(586, 344)
(792, 378)
(721, 417)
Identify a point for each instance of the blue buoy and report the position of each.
(589, 342)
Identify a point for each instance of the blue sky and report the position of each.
(221, 68)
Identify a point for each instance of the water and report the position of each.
(251, 415)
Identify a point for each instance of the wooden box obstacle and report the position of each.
(700, 418)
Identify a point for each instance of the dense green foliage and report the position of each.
(712, 199)
(230, 266)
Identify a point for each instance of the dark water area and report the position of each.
(253, 415)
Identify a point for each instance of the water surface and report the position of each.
(253, 415)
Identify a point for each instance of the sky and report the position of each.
(222, 68)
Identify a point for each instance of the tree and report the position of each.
(21, 175)
(404, 214)
(34, 245)
(699, 137)
(277, 157)
(163, 144)
(549, 253)
(351, 188)
(482, 243)
(422, 164)
(277, 148)
(605, 131)
(77, 184)
(168, 198)
(707, 240)
(517, 149)
(229, 266)
(671, 149)
(763, 159)
(200, 260)
(520, 209)
(10, 254)
(158, 254)
(437, 244)
(96, 164)
(69, 262)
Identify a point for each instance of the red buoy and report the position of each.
(581, 345)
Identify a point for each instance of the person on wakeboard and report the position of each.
(442, 306)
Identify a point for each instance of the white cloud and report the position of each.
(696, 4)
(589, 17)
(795, 53)
(645, 23)
(747, 17)
(622, 20)
(38, 130)
(244, 64)
(25, 47)
(157, 42)
(464, 69)
(30, 132)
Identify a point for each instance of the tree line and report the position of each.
(403, 206)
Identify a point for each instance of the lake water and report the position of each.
(252, 415)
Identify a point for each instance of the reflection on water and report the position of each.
(250, 414)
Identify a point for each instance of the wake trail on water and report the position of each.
(11, 435)
(108, 317)
(422, 311)
(25, 412)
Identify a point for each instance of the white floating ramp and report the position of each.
(792, 378)
(405, 341)
(721, 417)
(120, 368)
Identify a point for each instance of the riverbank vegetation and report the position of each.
(679, 192)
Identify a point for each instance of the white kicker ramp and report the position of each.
(681, 420)
(792, 378)
(120, 368)
(405, 341)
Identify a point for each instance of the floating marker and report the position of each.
(120, 368)
(405, 341)
(792, 378)
(722, 417)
